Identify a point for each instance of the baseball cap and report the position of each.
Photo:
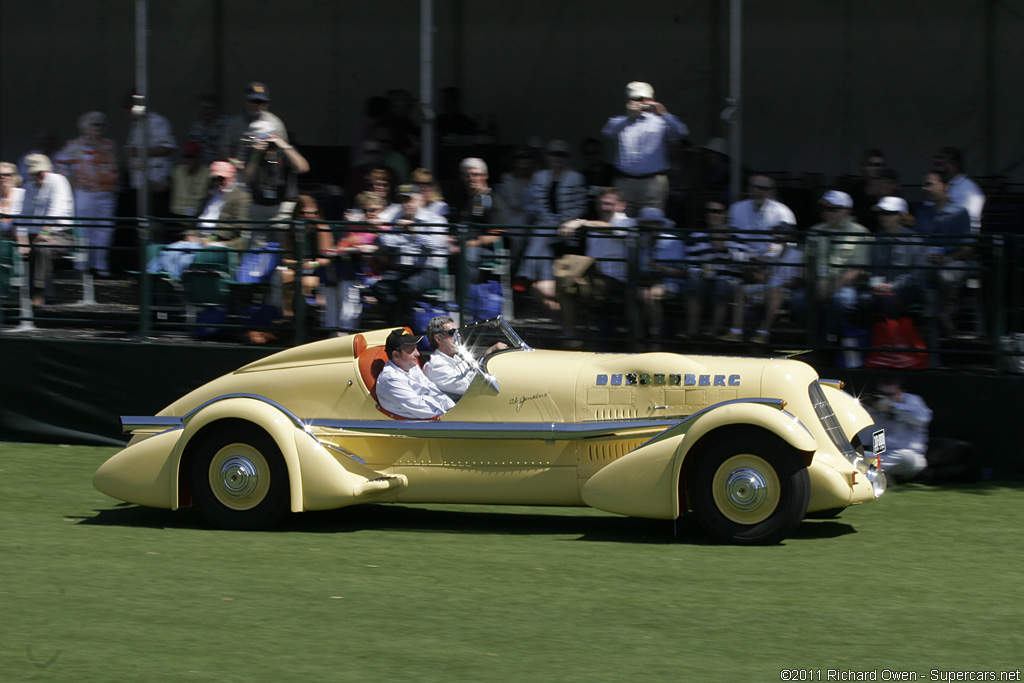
(837, 198)
(892, 204)
(638, 89)
(34, 163)
(399, 338)
(407, 190)
(257, 91)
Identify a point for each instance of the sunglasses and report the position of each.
(715, 210)
(761, 187)
(452, 332)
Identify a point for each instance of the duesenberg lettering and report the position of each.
(645, 379)
(518, 401)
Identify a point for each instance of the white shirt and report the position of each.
(451, 375)
(745, 217)
(905, 424)
(158, 134)
(11, 204)
(211, 212)
(966, 193)
(410, 394)
(53, 197)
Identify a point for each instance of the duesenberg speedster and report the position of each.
(749, 446)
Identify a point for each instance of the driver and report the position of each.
(447, 368)
(402, 388)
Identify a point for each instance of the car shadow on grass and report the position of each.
(505, 521)
(131, 515)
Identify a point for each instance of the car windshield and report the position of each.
(475, 339)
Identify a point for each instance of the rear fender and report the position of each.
(646, 482)
(281, 425)
(317, 479)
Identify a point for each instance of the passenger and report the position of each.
(402, 388)
(447, 368)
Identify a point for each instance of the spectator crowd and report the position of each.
(654, 235)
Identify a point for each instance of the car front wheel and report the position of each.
(238, 477)
(749, 488)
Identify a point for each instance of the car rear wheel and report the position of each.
(238, 477)
(749, 488)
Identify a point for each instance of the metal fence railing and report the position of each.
(638, 295)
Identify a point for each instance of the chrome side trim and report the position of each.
(131, 422)
(684, 425)
(505, 430)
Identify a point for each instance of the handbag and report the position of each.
(571, 274)
(900, 333)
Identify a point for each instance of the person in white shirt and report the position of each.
(48, 194)
(448, 367)
(949, 163)
(402, 388)
(758, 214)
(12, 196)
(607, 246)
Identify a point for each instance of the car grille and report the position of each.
(830, 422)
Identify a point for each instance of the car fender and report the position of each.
(645, 482)
(317, 479)
(142, 473)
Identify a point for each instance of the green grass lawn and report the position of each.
(92, 589)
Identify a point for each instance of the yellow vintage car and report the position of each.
(749, 446)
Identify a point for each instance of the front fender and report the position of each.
(851, 414)
(645, 482)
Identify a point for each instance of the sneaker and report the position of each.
(731, 337)
(760, 338)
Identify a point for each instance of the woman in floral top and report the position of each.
(90, 162)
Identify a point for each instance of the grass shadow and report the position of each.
(506, 521)
(139, 516)
(474, 521)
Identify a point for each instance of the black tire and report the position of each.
(749, 488)
(238, 477)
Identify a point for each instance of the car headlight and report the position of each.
(873, 474)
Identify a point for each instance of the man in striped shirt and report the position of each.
(718, 265)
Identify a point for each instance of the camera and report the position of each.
(876, 403)
(646, 107)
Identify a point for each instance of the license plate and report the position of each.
(878, 442)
